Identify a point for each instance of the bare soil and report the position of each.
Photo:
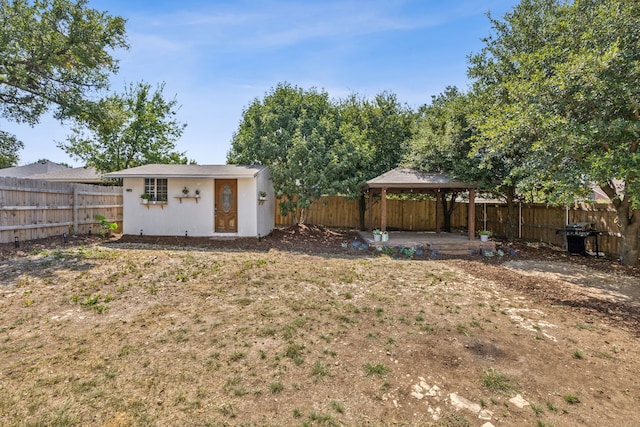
(304, 328)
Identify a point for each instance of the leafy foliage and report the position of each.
(292, 131)
(9, 147)
(126, 130)
(442, 144)
(556, 79)
(53, 52)
(315, 146)
(375, 133)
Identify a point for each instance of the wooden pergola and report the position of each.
(403, 180)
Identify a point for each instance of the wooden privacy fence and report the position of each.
(34, 209)
(410, 215)
(532, 221)
(540, 222)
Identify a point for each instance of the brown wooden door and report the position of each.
(226, 208)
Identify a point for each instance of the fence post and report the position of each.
(75, 209)
(484, 217)
(471, 214)
(520, 220)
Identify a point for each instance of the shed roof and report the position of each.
(405, 178)
(189, 171)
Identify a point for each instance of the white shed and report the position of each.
(197, 200)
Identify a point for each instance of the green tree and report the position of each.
(52, 53)
(501, 144)
(374, 134)
(316, 147)
(568, 72)
(293, 132)
(126, 130)
(9, 147)
(442, 143)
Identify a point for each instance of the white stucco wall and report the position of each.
(196, 218)
(265, 211)
(247, 208)
(174, 218)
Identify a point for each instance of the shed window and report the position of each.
(157, 188)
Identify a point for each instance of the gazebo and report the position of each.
(404, 180)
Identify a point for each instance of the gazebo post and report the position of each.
(471, 214)
(370, 225)
(383, 209)
(438, 210)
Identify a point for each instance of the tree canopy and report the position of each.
(316, 146)
(127, 130)
(293, 131)
(562, 83)
(442, 144)
(9, 147)
(442, 140)
(375, 133)
(52, 53)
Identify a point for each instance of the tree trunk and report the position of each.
(447, 208)
(302, 216)
(511, 213)
(628, 221)
(362, 211)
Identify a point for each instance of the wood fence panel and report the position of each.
(459, 217)
(35, 209)
(334, 211)
(531, 221)
(415, 215)
(540, 222)
(604, 218)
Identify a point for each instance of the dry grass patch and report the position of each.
(103, 335)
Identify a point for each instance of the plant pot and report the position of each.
(377, 237)
(145, 201)
(484, 238)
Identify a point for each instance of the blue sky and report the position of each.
(216, 57)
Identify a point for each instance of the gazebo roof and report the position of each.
(409, 179)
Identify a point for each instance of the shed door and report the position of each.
(226, 208)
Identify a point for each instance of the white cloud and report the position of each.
(273, 25)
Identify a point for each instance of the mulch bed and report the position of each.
(320, 240)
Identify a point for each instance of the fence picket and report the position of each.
(34, 209)
(537, 221)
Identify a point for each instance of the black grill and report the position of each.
(576, 234)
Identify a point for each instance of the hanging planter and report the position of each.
(262, 197)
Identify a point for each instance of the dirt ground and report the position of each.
(303, 327)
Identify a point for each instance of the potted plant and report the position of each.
(484, 235)
(377, 235)
(262, 195)
(197, 193)
(145, 198)
(185, 191)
